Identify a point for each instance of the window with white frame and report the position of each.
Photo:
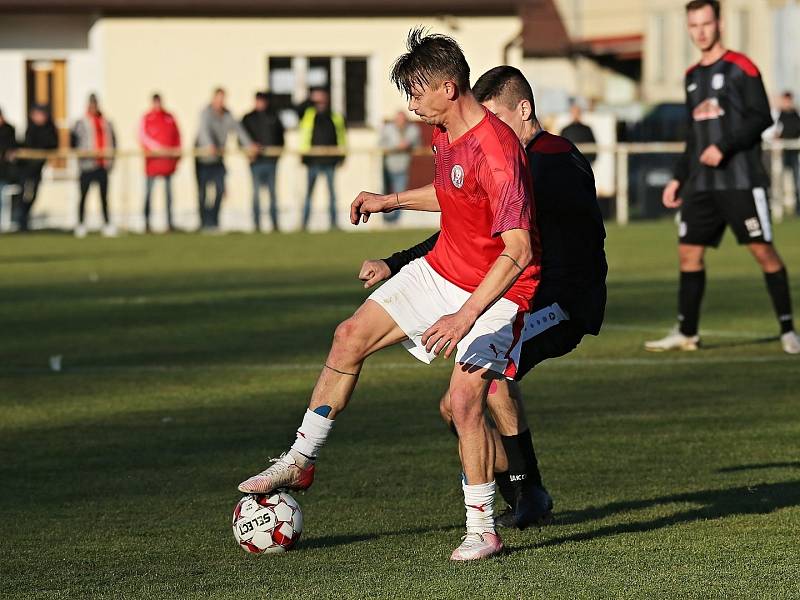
(346, 78)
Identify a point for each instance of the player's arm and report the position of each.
(757, 117)
(681, 170)
(376, 270)
(367, 203)
(451, 329)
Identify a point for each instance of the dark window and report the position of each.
(355, 94)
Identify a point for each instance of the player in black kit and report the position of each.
(570, 301)
(720, 179)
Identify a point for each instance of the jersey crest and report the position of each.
(457, 176)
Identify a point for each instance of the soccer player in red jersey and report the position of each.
(466, 298)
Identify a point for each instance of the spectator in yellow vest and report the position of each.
(321, 129)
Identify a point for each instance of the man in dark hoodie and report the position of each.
(265, 128)
(40, 135)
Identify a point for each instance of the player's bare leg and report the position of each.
(367, 331)
(690, 296)
(777, 281)
(467, 394)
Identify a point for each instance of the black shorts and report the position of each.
(556, 341)
(704, 216)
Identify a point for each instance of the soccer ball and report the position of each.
(267, 524)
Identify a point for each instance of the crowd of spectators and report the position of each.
(260, 133)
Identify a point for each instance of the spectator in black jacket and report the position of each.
(789, 129)
(8, 144)
(579, 132)
(264, 127)
(40, 135)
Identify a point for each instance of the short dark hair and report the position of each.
(431, 58)
(156, 97)
(262, 96)
(698, 4)
(788, 95)
(505, 84)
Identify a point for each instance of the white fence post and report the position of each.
(622, 185)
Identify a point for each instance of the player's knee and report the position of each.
(466, 409)
(348, 338)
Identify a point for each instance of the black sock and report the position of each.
(690, 295)
(504, 486)
(778, 286)
(522, 464)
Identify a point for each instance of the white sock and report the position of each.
(312, 434)
(479, 502)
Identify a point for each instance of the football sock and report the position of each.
(690, 295)
(504, 486)
(778, 286)
(312, 434)
(479, 502)
(522, 463)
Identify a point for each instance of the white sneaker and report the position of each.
(80, 231)
(790, 342)
(475, 546)
(109, 231)
(286, 472)
(675, 340)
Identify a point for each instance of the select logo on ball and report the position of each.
(267, 524)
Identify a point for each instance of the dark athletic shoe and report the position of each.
(534, 506)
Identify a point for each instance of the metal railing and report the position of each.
(622, 152)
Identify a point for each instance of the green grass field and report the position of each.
(188, 360)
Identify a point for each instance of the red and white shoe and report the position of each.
(287, 473)
(475, 546)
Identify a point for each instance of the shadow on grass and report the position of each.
(329, 541)
(756, 466)
(716, 504)
(741, 343)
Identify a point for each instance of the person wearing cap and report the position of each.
(41, 134)
(159, 134)
(264, 126)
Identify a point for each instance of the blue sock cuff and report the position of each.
(323, 411)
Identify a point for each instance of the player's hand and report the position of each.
(374, 271)
(446, 333)
(669, 196)
(712, 156)
(365, 204)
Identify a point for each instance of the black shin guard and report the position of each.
(690, 295)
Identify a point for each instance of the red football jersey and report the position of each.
(484, 188)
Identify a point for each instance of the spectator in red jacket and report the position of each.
(158, 133)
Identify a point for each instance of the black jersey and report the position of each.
(728, 107)
(571, 227)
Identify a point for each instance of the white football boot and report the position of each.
(675, 340)
(790, 342)
(475, 546)
(80, 231)
(109, 231)
(288, 472)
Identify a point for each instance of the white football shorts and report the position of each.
(418, 296)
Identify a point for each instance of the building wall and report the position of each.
(126, 59)
(669, 52)
(602, 18)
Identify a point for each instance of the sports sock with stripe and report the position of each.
(778, 287)
(312, 434)
(479, 502)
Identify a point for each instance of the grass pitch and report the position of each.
(188, 360)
